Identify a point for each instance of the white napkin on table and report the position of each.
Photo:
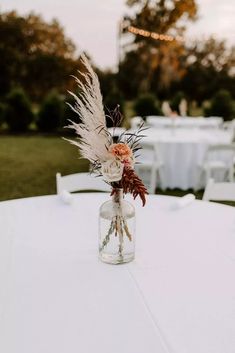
(66, 197)
(184, 201)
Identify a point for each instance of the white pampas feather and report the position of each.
(94, 138)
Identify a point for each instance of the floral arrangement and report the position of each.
(114, 161)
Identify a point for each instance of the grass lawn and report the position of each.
(28, 164)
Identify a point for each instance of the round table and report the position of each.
(183, 152)
(178, 296)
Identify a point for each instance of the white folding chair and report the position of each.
(219, 160)
(149, 166)
(80, 182)
(219, 191)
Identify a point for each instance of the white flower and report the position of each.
(112, 170)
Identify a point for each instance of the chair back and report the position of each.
(80, 182)
(148, 153)
(219, 191)
(148, 166)
(221, 152)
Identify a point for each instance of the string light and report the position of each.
(154, 35)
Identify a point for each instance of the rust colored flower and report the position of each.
(133, 184)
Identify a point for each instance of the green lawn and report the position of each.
(28, 164)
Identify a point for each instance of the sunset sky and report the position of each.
(92, 24)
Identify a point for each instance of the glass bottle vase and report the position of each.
(117, 230)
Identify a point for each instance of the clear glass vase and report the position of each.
(117, 230)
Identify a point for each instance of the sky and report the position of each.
(93, 24)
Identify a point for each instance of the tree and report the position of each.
(35, 55)
(208, 66)
(156, 60)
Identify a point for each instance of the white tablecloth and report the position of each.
(178, 296)
(185, 122)
(182, 153)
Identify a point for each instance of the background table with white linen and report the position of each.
(184, 122)
(182, 153)
(178, 295)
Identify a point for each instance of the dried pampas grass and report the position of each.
(94, 138)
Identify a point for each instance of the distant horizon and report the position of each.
(94, 28)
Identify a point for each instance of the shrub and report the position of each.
(51, 113)
(147, 105)
(18, 113)
(175, 102)
(222, 105)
